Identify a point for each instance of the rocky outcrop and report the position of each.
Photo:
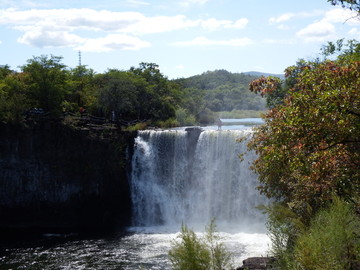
(53, 177)
(258, 263)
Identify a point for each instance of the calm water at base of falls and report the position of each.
(140, 248)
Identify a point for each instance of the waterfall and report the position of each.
(188, 177)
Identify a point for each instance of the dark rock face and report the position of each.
(258, 263)
(55, 177)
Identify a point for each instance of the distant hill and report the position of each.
(223, 91)
(259, 74)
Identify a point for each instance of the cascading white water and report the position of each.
(181, 178)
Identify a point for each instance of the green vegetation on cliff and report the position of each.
(140, 94)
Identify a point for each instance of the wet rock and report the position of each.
(258, 263)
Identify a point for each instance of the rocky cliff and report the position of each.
(54, 177)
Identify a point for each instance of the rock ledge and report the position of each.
(258, 263)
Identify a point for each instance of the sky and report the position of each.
(183, 37)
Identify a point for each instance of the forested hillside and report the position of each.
(223, 91)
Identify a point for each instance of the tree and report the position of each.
(81, 88)
(270, 87)
(309, 147)
(47, 82)
(350, 4)
(117, 94)
(161, 95)
(13, 98)
(4, 71)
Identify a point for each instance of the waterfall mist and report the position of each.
(188, 177)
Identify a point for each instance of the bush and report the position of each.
(284, 227)
(137, 126)
(185, 118)
(169, 123)
(199, 253)
(332, 241)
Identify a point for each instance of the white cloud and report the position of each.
(64, 27)
(318, 31)
(203, 41)
(241, 23)
(282, 18)
(283, 27)
(290, 15)
(354, 33)
(71, 18)
(214, 24)
(340, 15)
(278, 41)
(160, 24)
(325, 29)
(50, 39)
(113, 42)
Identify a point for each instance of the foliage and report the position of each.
(13, 98)
(47, 87)
(309, 147)
(160, 95)
(284, 226)
(117, 93)
(350, 4)
(271, 88)
(332, 241)
(5, 71)
(141, 93)
(137, 126)
(184, 118)
(216, 91)
(199, 253)
(308, 152)
(343, 51)
(82, 92)
(168, 123)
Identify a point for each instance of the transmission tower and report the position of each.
(79, 58)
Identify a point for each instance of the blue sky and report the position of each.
(184, 37)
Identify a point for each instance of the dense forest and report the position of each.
(141, 94)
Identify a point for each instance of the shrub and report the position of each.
(185, 118)
(284, 227)
(169, 123)
(199, 253)
(137, 126)
(332, 241)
